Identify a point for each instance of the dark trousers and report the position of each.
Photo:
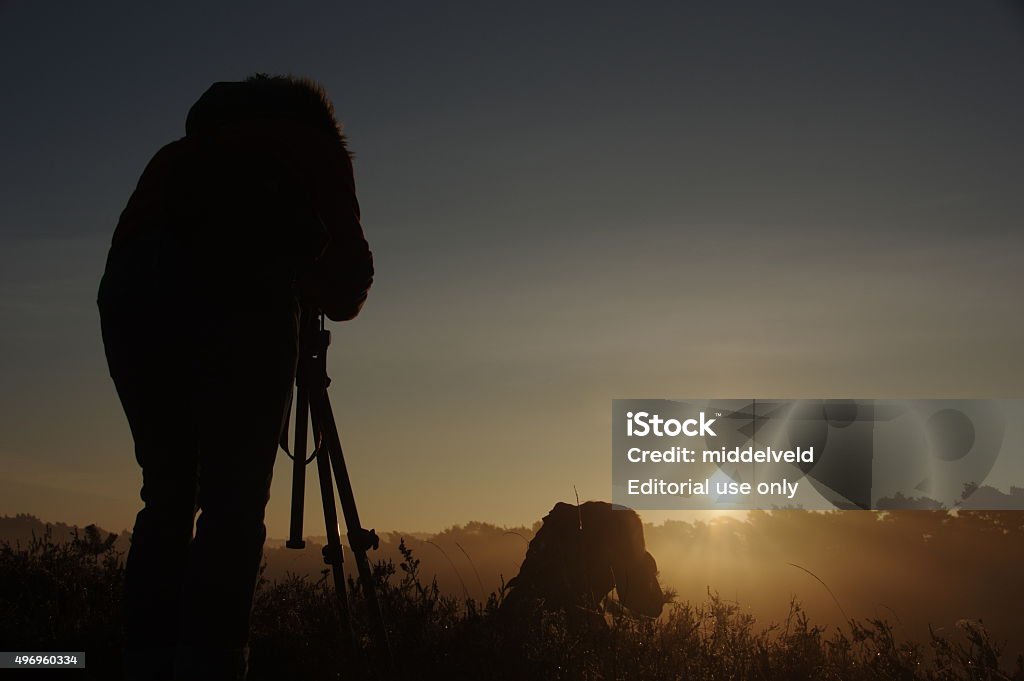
(205, 381)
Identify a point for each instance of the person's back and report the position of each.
(228, 230)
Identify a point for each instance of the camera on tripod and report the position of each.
(313, 406)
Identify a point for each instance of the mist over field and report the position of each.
(912, 568)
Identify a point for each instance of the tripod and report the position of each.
(312, 402)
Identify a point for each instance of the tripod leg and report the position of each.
(333, 552)
(360, 540)
(295, 540)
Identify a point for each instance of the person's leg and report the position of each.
(241, 409)
(151, 374)
(157, 558)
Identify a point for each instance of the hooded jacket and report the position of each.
(251, 200)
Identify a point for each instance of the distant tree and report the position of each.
(93, 543)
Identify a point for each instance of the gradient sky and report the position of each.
(567, 202)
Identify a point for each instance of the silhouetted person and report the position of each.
(228, 229)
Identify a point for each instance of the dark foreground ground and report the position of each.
(66, 596)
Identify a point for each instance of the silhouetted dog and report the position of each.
(580, 554)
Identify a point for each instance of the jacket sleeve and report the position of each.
(340, 279)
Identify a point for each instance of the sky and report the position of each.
(567, 202)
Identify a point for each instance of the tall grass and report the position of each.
(66, 596)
